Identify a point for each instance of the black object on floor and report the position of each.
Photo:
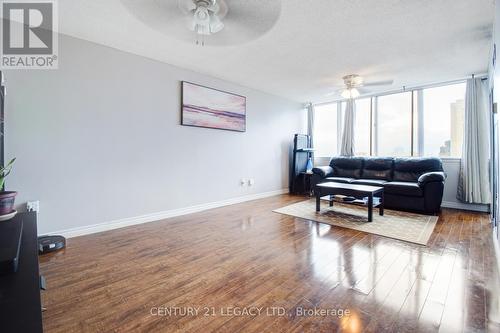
(47, 244)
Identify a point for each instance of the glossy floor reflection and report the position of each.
(246, 256)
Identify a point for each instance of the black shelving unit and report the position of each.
(302, 151)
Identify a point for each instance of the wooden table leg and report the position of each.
(370, 208)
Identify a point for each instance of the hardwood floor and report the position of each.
(247, 256)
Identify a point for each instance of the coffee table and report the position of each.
(353, 190)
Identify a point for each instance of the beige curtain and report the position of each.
(473, 185)
(347, 147)
(310, 123)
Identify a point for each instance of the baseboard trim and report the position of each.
(125, 222)
(462, 206)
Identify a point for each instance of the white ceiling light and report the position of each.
(350, 93)
(204, 16)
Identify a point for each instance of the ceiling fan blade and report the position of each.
(186, 6)
(335, 92)
(156, 13)
(220, 8)
(363, 91)
(378, 83)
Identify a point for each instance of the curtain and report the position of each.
(473, 184)
(310, 123)
(347, 147)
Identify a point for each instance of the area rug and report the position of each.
(409, 227)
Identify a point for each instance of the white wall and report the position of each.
(452, 169)
(99, 139)
(494, 79)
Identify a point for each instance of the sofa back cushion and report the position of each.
(409, 169)
(347, 166)
(378, 168)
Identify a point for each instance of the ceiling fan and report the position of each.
(354, 86)
(221, 22)
(204, 16)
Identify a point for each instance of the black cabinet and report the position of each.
(20, 304)
(302, 151)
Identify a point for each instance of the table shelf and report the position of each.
(358, 202)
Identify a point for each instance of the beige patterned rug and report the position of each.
(414, 228)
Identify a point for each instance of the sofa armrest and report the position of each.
(323, 171)
(436, 176)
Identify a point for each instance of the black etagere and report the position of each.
(302, 151)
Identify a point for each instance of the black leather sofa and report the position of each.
(410, 184)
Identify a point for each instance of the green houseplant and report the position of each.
(7, 198)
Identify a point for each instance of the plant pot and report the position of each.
(7, 199)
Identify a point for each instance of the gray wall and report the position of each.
(99, 139)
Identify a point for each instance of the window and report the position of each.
(422, 122)
(442, 115)
(393, 125)
(325, 130)
(362, 127)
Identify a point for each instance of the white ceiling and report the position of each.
(314, 43)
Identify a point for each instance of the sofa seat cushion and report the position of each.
(403, 188)
(371, 182)
(339, 179)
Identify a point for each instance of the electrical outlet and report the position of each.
(33, 206)
(243, 181)
(251, 182)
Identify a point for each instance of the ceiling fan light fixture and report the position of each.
(216, 24)
(206, 15)
(201, 21)
(350, 93)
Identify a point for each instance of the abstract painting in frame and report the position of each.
(212, 108)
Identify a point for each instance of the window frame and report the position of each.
(417, 134)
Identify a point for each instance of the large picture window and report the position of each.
(393, 125)
(325, 130)
(420, 122)
(443, 111)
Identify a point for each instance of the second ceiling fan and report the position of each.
(355, 84)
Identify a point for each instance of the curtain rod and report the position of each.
(408, 88)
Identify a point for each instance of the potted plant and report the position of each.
(7, 198)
